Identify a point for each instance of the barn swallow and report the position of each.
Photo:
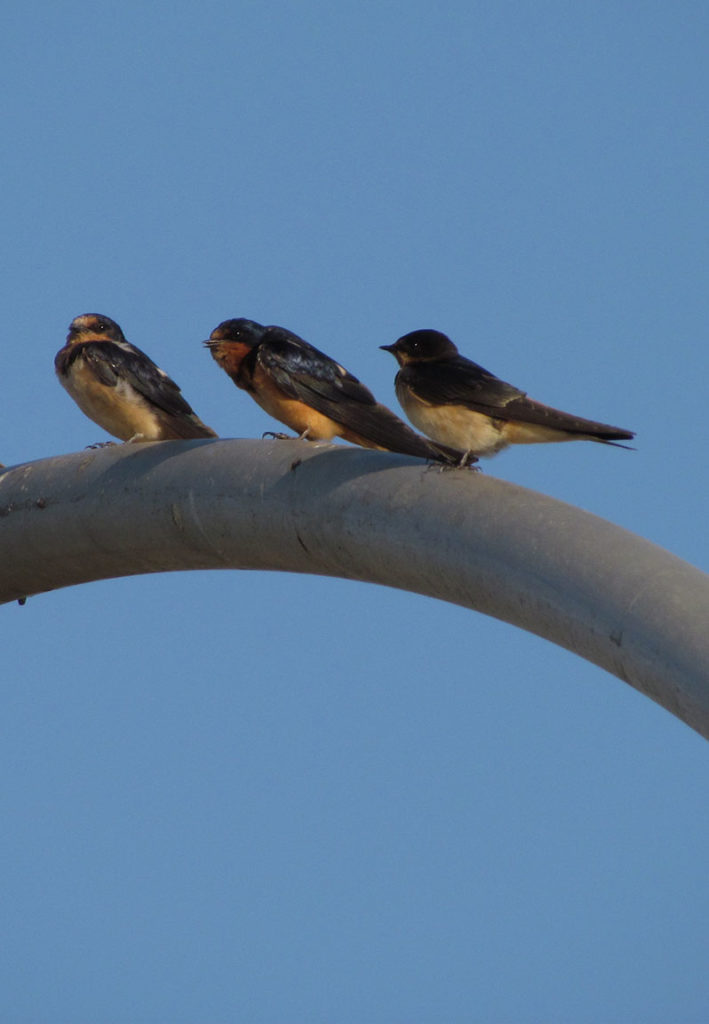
(121, 388)
(455, 401)
(311, 393)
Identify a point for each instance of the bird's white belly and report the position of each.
(455, 425)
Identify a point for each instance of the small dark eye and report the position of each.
(101, 326)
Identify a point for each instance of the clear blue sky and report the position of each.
(269, 798)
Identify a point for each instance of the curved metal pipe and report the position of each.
(583, 583)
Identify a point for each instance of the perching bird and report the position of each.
(311, 393)
(455, 401)
(121, 388)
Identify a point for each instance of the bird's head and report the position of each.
(93, 327)
(238, 331)
(232, 341)
(421, 347)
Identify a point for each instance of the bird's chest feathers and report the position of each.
(120, 410)
(294, 413)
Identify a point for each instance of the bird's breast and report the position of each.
(295, 413)
(120, 410)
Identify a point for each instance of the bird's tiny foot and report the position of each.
(277, 435)
(463, 463)
(467, 461)
(102, 444)
(135, 437)
(471, 462)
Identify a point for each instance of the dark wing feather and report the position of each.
(304, 372)
(460, 381)
(112, 362)
(525, 410)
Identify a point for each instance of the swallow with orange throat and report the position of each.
(456, 402)
(120, 388)
(312, 394)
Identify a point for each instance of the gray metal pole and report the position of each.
(550, 568)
